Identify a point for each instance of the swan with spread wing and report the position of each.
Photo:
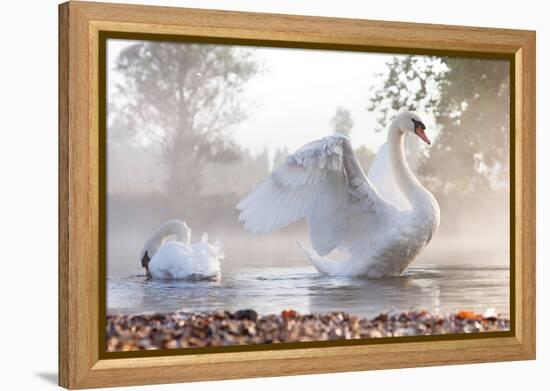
(382, 229)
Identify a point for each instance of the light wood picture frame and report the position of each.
(82, 29)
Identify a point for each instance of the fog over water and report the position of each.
(248, 118)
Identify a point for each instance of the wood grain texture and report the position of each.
(526, 204)
(63, 200)
(291, 28)
(80, 24)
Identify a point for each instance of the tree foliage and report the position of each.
(342, 122)
(180, 101)
(411, 83)
(469, 100)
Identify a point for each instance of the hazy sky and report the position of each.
(298, 93)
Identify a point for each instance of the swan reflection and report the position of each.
(270, 290)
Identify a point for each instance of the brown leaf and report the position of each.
(288, 314)
(470, 315)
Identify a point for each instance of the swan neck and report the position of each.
(405, 179)
(172, 227)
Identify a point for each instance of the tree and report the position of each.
(342, 122)
(180, 101)
(365, 157)
(475, 117)
(412, 83)
(280, 157)
(469, 100)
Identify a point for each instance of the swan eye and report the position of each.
(418, 124)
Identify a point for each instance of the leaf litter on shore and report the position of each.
(224, 328)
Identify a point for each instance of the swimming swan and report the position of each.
(324, 183)
(166, 259)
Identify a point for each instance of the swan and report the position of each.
(166, 259)
(323, 182)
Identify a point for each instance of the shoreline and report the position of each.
(223, 328)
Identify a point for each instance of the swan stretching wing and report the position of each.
(322, 182)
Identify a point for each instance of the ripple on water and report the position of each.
(269, 290)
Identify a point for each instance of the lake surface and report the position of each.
(439, 289)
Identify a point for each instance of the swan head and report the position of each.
(145, 263)
(410, 123)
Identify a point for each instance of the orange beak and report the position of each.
(420, 133)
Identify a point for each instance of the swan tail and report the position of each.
(323, 265)
(218, 245)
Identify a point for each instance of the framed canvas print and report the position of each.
(247, 195)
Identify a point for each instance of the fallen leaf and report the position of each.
(288, 314)
(470, 315)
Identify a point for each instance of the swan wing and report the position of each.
(323, 182)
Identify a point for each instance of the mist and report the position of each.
(194, 128)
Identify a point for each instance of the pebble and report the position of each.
(223, 328)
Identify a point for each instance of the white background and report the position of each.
(28, 207)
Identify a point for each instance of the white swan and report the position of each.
(324, 182)
(167, 259)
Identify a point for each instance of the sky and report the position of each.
(297, 94)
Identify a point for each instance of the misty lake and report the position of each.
(440, 289)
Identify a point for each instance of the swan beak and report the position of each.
(420, 133)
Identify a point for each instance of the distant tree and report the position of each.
(180, 101)
(238, 176)
(411, 83)
(469, 100)
(342, 121)
(474, 115)
(262, 162)
(365, 157)
(280, 156)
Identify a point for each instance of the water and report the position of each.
(268, 290)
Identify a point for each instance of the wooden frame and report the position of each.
(80, 24)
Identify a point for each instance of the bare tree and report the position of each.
(342, 122)
(180, 101)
